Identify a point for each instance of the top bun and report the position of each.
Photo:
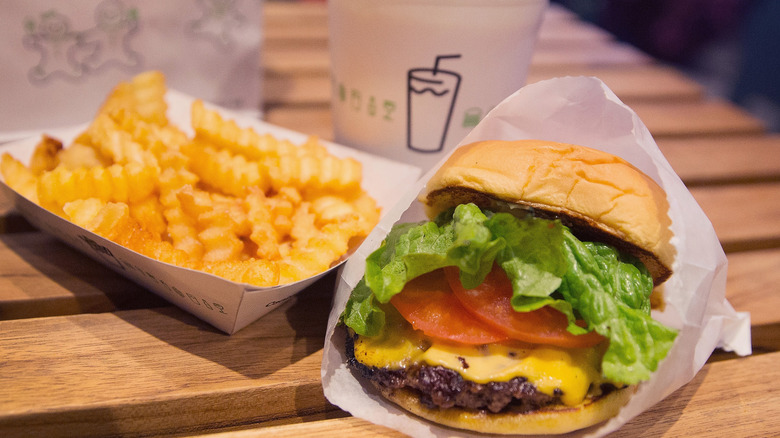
(599, 196)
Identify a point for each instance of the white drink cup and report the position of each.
(412, 77)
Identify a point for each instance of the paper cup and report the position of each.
(412, 77)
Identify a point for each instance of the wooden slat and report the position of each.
(644, 82)
(555, 32)
(309, 120)
(302, 31)
(736, 400)
(711, 117)
(590, 55)
(752, 286)
(160, 371)
(40, 276)
(288, 24)
(296, 90)
(301, 61)
(556, 11)
(745, 216)
(724, 159)
(283, 12)
(288, 39)
(344, 426)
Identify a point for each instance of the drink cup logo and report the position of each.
(431, 96)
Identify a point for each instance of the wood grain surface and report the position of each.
(160, 370)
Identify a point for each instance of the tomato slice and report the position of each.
(429, 305)
(490, 303)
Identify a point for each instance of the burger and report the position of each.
(523, 306)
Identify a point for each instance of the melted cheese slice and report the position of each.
(570, 373)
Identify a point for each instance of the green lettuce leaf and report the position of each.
(534, 262)
(408, 252)
(612, 293)
(361, 313)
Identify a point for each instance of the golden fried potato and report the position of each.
(79, 155)
(44, 156)
(116, 183)
(19, 177)
(113, 221)
(117, 145)
(211, 128)
(259, 272)
(227, 173)
(149, 214)
(143, 94)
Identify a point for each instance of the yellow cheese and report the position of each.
(552, 370)
(571, 371)
(398, 346)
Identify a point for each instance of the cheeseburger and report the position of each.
(523, 306)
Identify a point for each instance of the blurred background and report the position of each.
(731, 47)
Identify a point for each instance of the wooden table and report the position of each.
(85, 352)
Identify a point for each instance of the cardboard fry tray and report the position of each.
(227, 305)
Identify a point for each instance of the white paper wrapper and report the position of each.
(227, 305)
(579, 110)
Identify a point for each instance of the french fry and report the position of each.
(113, 221)
(19, 177)
(144, 94)
(230, 174)
(149, 214)
(45, 155)
(263, 233)
(314, 172)
(218, 230)
(117, 145)
(259, 272)
(317, 254)
(79, 155)
(211, 128)
(116, 183)
(183, 232)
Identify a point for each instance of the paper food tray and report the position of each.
(227, 305)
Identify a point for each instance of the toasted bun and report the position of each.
(601, 197)
(549, 421)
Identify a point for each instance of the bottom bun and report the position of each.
(545, 421)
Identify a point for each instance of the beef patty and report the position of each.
(444, 388)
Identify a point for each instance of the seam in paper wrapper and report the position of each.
(227, 305)
(578, 110)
